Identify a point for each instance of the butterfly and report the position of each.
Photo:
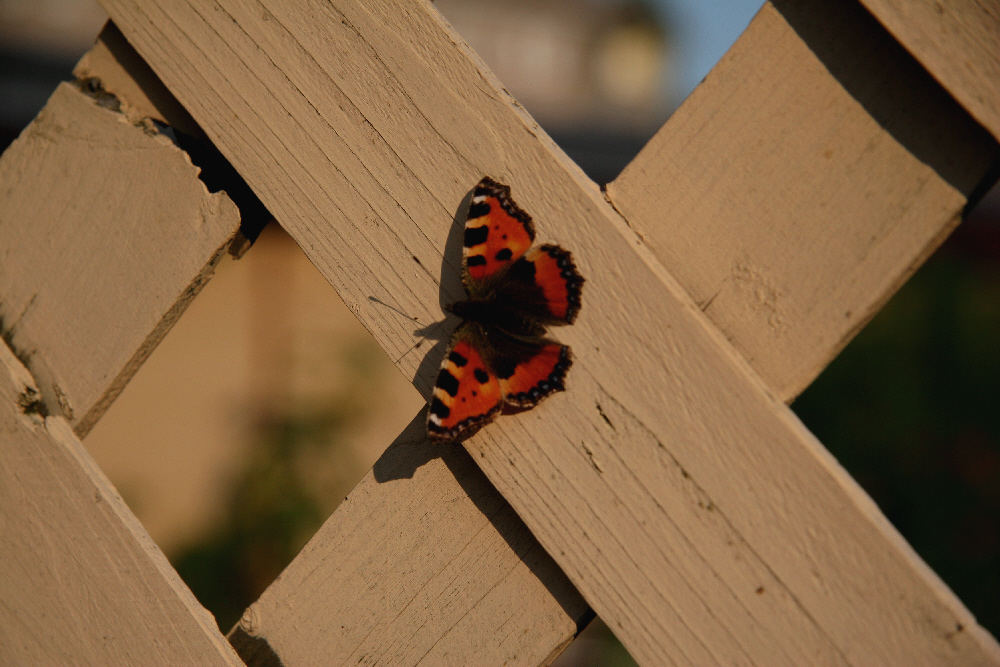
(498, 356)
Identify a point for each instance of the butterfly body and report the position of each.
(491, 312)
(498, 356)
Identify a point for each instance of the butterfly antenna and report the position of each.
(394, 309)
(419, 342)
(422, 338)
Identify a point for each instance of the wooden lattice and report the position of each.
(670, 489)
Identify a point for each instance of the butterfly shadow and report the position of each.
(410, 450)
(450, 290)
(413, 449)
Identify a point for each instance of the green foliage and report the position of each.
(910, 410)
(286, 488)
(270, 515)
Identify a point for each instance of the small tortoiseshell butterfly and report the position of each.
(498, 356)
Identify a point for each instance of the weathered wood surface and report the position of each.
(772, 80)
(106, 233)
(692, 510)
(958, 42)
(122, 73)
(274, 619)
(791, 203)
(423, 562)
(82, 581)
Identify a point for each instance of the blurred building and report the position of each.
(572, 62)
(40, 41)
(596, 74)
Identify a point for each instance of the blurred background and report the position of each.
(268, 401)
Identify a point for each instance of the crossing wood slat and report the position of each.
(423, 562)
(83, 583)
(958, 42)
(107, 234)
(744, 539)
(797, 202)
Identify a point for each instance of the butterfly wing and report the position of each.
(497, 234)
(528, 369)
(497, 356)
(543, 285)
(486, 368)
(467, 394)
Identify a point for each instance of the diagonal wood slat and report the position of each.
(423, 562)
(931, 31)
(821, 105)
(89, 200)
(790, 244)
(82, 581)
(686, 504)
(106, 234)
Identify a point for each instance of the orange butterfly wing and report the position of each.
(496, 357)
(467, 394)
(485, 369)
(497, 234)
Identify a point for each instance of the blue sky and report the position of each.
(704, 30)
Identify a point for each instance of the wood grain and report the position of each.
(798, 202)
(82, 581)
(958, 42)
(690, 507)
(424, 551)
(494, 605)
(122, 73)
(107, 235)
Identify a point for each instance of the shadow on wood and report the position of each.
(895, 90)
(412, 449)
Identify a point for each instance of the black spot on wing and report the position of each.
(489, 188)
(504, 367)
(476, 235)
(504, 255)
(481, 375)
(447, 381)
(440, 409)
(478, 209)
(457, 359)
(475, 260)
(522, 270)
